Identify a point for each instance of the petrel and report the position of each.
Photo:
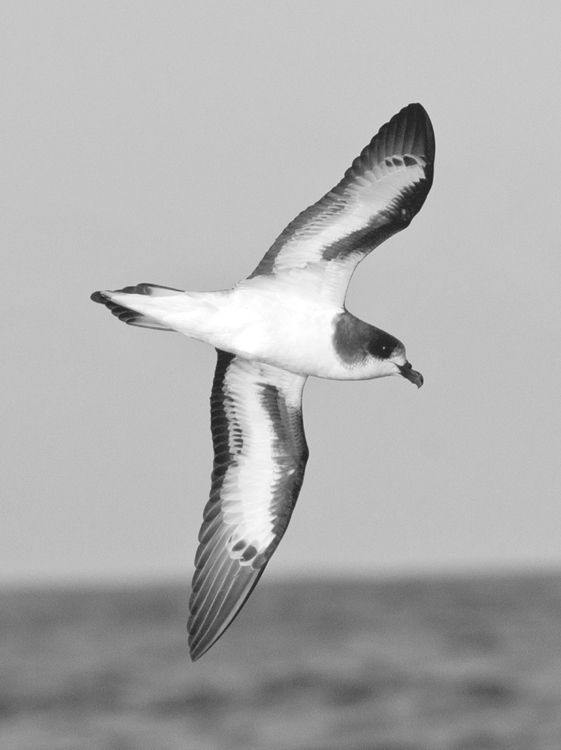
(273, 330)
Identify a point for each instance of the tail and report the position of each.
(116, 302)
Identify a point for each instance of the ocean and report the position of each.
(466, 663)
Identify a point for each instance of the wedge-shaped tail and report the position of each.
(260, 454)
(130, 316)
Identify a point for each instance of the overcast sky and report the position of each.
(171, 143)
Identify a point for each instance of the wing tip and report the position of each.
(418, 118)
(407, 133)
(206, 627)
(198, 649)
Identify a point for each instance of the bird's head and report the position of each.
(390, 355)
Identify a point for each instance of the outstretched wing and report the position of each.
(378, 196)
(260, 454)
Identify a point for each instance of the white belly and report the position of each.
(284, 331)
(263, 321)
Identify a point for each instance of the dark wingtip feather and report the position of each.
(409, 132)
(424, 141)
(216, 605)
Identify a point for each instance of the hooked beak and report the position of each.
(408, 372)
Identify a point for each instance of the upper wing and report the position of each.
(378, 196)
(260, 454)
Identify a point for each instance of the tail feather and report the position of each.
(150, 290)
(132, 317)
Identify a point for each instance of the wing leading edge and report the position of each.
(260, 454)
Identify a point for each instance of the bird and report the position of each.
(285, 322)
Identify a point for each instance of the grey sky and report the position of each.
(171, 143)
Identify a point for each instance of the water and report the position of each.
(464, 664)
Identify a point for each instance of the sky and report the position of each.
(171, 142)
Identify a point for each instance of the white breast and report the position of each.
(287, 325)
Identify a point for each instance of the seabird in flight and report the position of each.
(273, 330)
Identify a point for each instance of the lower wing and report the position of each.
(260, 455)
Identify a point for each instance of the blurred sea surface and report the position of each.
(415, 664)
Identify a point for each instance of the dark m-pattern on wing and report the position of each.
(382, 226)
(231, 558)
(404, 143)
(291, 453)
(289, 449)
